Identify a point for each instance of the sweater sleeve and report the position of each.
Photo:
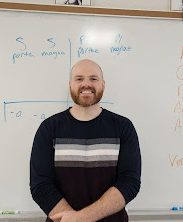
(42, 174)
(129, 163)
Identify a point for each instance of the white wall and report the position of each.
(134, 4)
(130, 4)
(32, 1)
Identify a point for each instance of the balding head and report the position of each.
(86, 65)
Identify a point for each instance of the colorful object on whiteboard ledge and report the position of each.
(177, 208)
(8, 212)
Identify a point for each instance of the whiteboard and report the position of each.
(142, 60)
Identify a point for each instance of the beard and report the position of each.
(88, 100)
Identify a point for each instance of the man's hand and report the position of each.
(67, 216)
(61, 206)
(111, 202)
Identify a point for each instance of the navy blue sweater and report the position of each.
(80, 160)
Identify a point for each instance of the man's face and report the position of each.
(86, 84)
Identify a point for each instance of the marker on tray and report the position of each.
(174, 208)
(7, 212)
(177, 208)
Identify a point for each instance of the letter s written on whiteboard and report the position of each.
(53, 44)
(20, 40)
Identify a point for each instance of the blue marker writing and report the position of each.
(52, 42)
(20, 40)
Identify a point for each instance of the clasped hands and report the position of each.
(67, 216)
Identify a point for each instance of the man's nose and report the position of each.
(86, 82)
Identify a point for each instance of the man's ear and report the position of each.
(104, 84)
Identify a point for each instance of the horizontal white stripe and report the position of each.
(87, 147)
(86, 152)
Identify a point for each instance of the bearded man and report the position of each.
(85, 163)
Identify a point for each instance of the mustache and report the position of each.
(87, 88)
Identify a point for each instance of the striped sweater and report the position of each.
(80, 160)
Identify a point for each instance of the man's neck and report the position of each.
(85, 113)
